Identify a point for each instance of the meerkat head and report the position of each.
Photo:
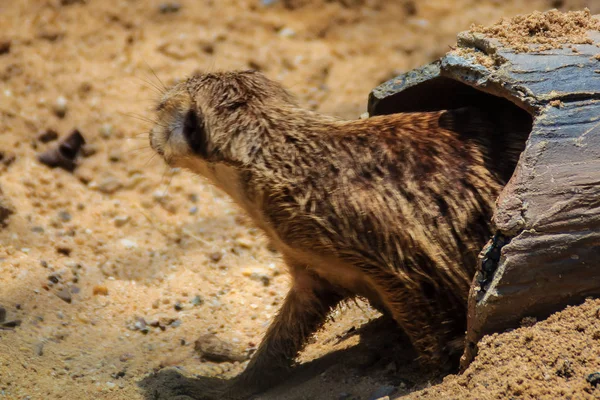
(215, 117)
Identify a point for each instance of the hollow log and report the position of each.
(545, 252)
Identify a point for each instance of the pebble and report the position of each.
(121, 220)
(5, 46)
(382, 392)
(594, 379)
(60, 106)
(89, 150)
(64, 216)
(134, 180)
(140, 325)
(7, 158)
(100, 290)
(257, 274)
(114, 156)
(216, 256)
(39, 349)
(178, 306)
(197, 301)
(47, 136)
(214, 349)
(54, 278)
(169, 8)
(109, 185)
(64, 155)
(106, 131)
(193, 210)
(159, 195)
(129, 244)
(287, 32)
(65, 295)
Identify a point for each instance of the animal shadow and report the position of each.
(381, 343)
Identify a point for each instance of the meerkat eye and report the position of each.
(194, 133)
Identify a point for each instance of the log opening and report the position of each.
(511, 124)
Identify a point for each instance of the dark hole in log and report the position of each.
(501, 125)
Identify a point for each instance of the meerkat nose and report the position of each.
(153, 143)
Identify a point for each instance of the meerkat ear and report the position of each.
(195, 133)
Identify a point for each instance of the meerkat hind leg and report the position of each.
(303, 312)
(411, 311)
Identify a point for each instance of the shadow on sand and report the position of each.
(382, 352)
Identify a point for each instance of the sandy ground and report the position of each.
(116, 269)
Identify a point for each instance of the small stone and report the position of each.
(89, 150)
(64, 216)
(65, 154)
(121, 220)
(134, 180)
(109, 185)
(100, 290)
(178, 306)
(114, 156)
(37, 229)
(125, 357)
(7, 158)
(594, 379)
(128, 243)
(83, 318)
(169, 8)
(382, 391)
(110, 385)
(60, 107)
(39, 349)
(5, 46)
(6, 209)
(140, 325)
(54, 278)
(65, 295)
(10, 324)
(197, 301)
(244, 243)
(212, 348)
(65, 251)
(119, 374)
(159, 195)
(287, 32)
(106, 131)
(193, 210)
(48, 135)
(257, 274)
(216, 256)
(176, 323)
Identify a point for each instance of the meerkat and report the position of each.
(394, 208)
